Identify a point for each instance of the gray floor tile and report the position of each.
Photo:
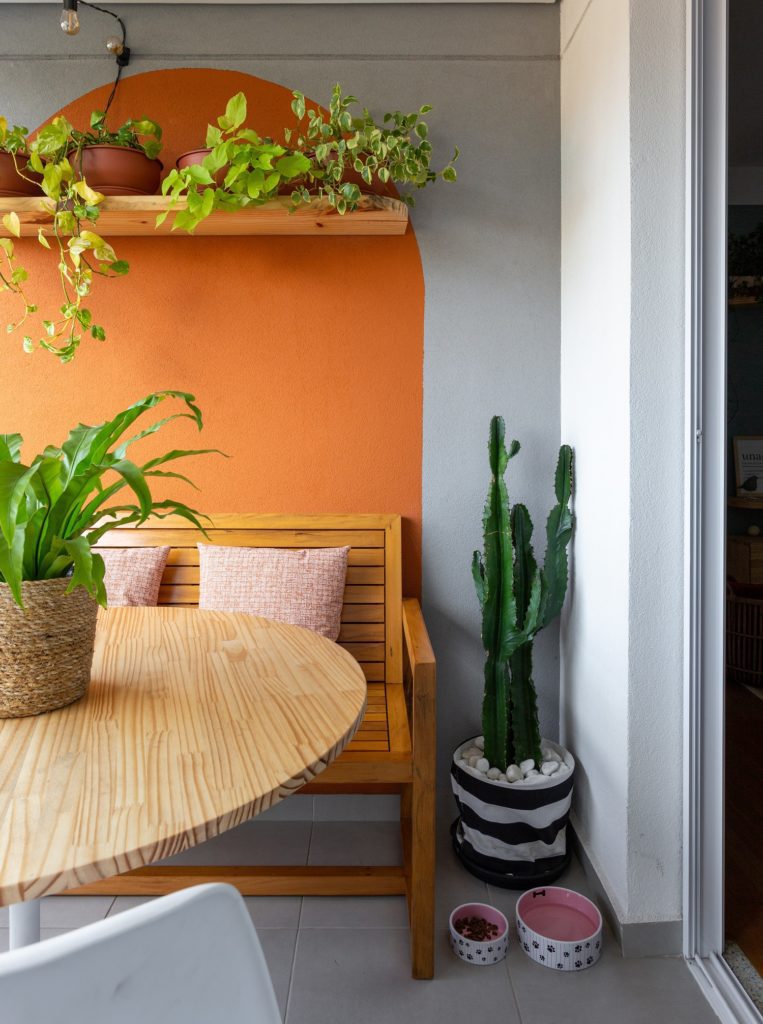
(355, 842)
(339, 807)
(294, 808)
(68, 911)
(454, 885)
(278, 946)
(274, 911)
(122, 903)
(354, 912)
(45, 933)
(265, 911)
(636, 990)
(346, 974)
(506, 899)
(254, 842)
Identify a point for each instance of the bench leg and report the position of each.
(417, 808)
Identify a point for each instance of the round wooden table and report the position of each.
(194, 722)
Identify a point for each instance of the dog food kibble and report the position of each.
(476, 928)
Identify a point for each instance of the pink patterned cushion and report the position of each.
(303, 588)
(133, 575)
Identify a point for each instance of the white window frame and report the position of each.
(706, 318)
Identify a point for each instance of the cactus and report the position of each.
(517, 599)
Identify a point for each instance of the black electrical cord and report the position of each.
(123, 58)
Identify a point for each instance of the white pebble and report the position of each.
(513, 773)
(482, 765)
(532, 779)
(527, 766)
(462, 762)
(472, 752)
(563, 768)
(493, 773)
(502, 777)
(473, 761)
(533, 771)
(550, 755)
(549, 767)
(480, 742)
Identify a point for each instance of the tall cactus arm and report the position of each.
(499, 609)
(478, 574)
(525, 729)
(525, 566)
(558, 533)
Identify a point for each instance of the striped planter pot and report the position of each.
(512, 835)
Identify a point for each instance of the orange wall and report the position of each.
(306, 355)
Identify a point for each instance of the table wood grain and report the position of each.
(194, 722)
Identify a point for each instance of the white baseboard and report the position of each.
(642, 938)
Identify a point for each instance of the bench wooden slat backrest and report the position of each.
(372, 611)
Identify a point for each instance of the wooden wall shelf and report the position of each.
(136, 215)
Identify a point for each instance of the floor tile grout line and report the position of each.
(294, 959)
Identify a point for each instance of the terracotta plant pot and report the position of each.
(118, 170)
(11, 183)
(195, 156)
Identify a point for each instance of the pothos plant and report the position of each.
(329, 153)
(13, 139)
(252, 169)
(340, 143)
(81, 252)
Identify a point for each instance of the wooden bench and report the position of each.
(394, 749)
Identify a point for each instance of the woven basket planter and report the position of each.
(46, 649)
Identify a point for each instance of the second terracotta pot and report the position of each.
(11, 182)
(118, 170)
(195, 156)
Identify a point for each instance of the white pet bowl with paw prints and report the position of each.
(483, 951)
(559, 928)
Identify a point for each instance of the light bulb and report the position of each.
(69, 21)
(115, 45)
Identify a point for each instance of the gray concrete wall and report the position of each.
(490, 245)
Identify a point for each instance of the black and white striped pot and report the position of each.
(513, 835)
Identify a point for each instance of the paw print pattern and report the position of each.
(542, 959)
(551, 949)
(560, 967)
(526, 947)
(589, 961)
(578, 949)
(566, 952)
(578, 963)
(536, 945)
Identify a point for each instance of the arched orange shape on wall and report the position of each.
(305, 354)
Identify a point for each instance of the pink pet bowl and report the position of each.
(487, 951)
(559, 928)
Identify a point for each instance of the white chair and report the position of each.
(187, 958)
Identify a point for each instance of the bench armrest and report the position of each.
(420, 676)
